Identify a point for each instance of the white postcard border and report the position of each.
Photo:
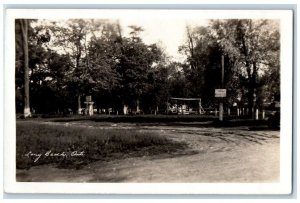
(283, 187)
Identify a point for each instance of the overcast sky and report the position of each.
(169, 33)
(164, 26)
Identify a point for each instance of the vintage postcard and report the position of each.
(141, 101)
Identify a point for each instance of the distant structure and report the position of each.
(184, 108)
(89, 106)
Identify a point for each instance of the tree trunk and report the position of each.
(137, 106)
(250, 100)
(125, 109)
(191, 48)
(250, 81)
(79, 104)
(24, 27)
(254, 75)
(168, 106)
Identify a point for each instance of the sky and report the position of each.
(170, 34)
(166, 27)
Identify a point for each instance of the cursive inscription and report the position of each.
(37, 156)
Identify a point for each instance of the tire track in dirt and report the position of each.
(222, 155)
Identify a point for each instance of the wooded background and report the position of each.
(58, 63)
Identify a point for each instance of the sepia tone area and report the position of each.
(192, 154)
(98, 101)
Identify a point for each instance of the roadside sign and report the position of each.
(220, 92)
(88, 98)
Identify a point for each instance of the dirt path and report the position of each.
(213, 155)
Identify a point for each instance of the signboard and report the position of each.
(220, 92)
(88, 98)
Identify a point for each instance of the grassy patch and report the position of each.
(137, 118)
(63, 145)
(240, 122)
(174, 120)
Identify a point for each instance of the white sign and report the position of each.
(220, 92)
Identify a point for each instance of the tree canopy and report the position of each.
(70, 59)
(251, 49)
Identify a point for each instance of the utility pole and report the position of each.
(221, 110)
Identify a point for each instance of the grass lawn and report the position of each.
(73, 147)
(211, 121)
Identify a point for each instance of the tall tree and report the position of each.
(254, 46)
(136, 61)
(251, 50)
(71, 37)
(33, 63)
(24, 27)
(202, 65)
(104, 54)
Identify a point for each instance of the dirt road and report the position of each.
(213, 155)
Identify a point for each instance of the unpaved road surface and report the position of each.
(213, 155)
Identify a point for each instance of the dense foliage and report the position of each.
(71, 59)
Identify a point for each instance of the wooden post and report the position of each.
(222, 85)
(200, 112)
(221, 111)
(79, 104)
(167, 112)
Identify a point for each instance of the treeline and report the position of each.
(71, 59)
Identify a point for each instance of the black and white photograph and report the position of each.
(150, 97)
